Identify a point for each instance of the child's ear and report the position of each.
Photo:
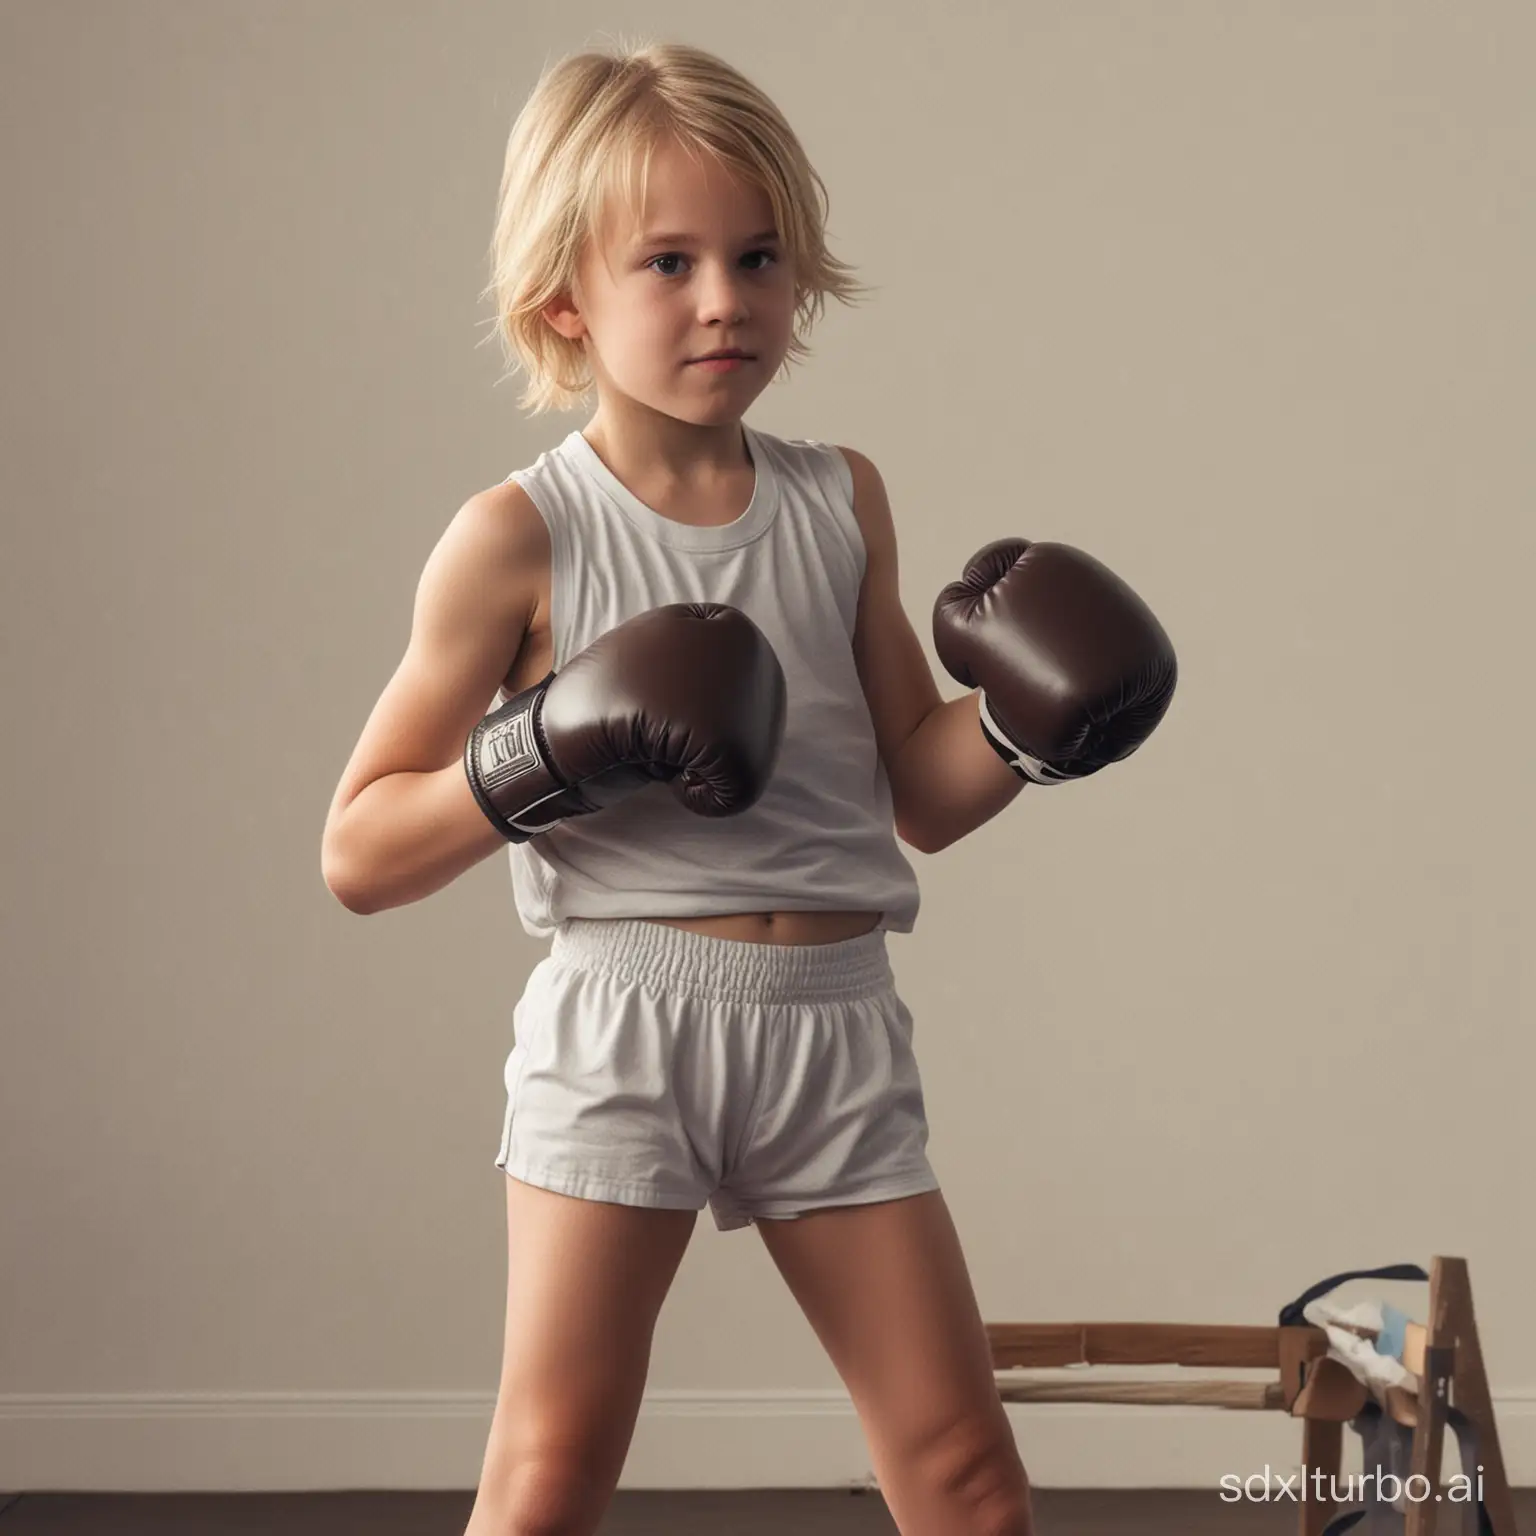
(563, 316)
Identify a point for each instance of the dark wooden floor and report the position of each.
(768, 1513)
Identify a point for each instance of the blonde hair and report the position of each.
(592, 122)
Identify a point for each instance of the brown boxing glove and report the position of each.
(1074, 669)
(691, 694)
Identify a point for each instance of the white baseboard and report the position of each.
(279, 1442)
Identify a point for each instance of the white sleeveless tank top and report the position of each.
(822, 837)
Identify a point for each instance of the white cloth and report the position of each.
(1367, 1338)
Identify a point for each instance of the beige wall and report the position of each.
(1236, 296)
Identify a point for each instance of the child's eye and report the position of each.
(678, 256)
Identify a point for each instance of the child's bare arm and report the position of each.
(404, 822)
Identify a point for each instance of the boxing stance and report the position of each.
(1074, 672)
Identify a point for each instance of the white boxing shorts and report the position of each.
(658, 1067)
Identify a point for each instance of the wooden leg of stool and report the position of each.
(1429, 1435)
(1322, 1459)
(1450, 1290)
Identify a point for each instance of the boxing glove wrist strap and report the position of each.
(1033, 769)
(510, 770)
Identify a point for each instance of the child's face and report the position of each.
(647, 307)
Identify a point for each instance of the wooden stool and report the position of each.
(1445, 1355)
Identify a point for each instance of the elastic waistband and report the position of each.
(665, 958)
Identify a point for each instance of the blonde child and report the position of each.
(713, 728)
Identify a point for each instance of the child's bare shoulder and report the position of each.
(502, 527)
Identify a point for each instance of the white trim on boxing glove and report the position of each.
(1023, 763)
(502, 750)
